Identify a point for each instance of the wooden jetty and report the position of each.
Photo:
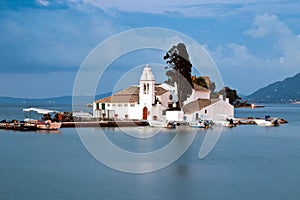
(23, 127)
(105, 124)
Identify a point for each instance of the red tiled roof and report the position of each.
(197, 105)
(159, 90)
(200, 88)
(128, 95)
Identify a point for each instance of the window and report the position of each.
(125, 105)
(205, 111)
(114, 105)
(147, 88)
(119, 105)
(132, 105)
(108, 105)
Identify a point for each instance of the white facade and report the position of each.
(174, 115)
(220, 110)
(201, 95)
(149, 101)
(135, 102)
(199, 92)
(122, 110)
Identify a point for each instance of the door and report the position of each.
(145, 113)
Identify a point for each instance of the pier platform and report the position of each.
(104, 124)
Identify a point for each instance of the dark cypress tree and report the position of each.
(179, 70)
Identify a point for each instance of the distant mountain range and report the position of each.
(285, 91)
(59, 100)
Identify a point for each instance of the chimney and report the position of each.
(227, 100)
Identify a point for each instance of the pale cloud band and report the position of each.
(206, 8)
(42, 36)
(239, 58)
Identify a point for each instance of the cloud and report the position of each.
(255, 71)
(204, 8)
(42, 36)
(235, 56)
(266, 24)
(55, 37)
(188, 8)
(43, 2)
(242, 70)
(270, 27)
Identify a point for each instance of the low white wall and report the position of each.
(220, 110)
(174, 115)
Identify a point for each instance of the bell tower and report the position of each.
(147, 88)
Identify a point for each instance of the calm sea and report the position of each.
(248, 162)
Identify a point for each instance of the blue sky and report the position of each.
(43, 42)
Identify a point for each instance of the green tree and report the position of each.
(200, 81)
(179, 70)
(231, 94)
(234, 98)
(205, 82)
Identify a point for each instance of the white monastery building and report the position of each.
(151, 101)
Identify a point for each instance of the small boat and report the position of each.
(200, 124)
(45, 123)
(256, 106)
(296, 102)
(157, 123)
(263, 122)
(224, 123)
(196, 124)
(162, 124)
(12, 125)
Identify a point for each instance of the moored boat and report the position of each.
(263, 122)
(200, 124)
(46, 122)
(162, 124)
(157, 123)
(225, 123)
